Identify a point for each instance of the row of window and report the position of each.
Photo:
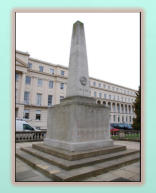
(118, 119)
(95, 84)
(41, 69)
(113, 97)
(39, 98)
(26, 114)
(40, 82)
(123, 109)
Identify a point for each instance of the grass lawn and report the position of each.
(128, 137)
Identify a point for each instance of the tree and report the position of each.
(137, 110)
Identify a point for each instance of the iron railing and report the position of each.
(126, 134)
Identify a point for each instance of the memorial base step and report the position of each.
(60, 165)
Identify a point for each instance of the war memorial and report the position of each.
(78, 143)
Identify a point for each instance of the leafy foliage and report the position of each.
(137, 110)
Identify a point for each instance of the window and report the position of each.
(123, 119)
(27, 127)
(125, 108)
(28, 80)
(118, 108)
(50, 84)
(50, 97)
(26, 114)
(26, 97)
(114, 118)
(62, 86)
(99, 85)
(110, 97)
(113, 107)
(100, 95)
(130, 119)
(104, 102)
(98, 102)
(38, 115)
(39, 96)
(17, 77)
(94, 83)
(51, 71)
(94, 93)
(61, 97)
(109, 87)
(39, 82)
(62, 73)
(40, 68)
(105, 96)
(29, 65)
(104, 86)
(16, 113)
(109, 105)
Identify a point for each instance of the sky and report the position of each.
(112, 40)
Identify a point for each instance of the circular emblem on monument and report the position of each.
(83, 80)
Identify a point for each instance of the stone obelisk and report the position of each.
(78, 79)
(78, 123)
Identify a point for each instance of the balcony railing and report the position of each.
(30, 136)
(132, 135)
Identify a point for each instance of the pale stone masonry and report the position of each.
(78, 81)
(78, 123)
(39, 83)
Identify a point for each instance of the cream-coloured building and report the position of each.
(40, 85)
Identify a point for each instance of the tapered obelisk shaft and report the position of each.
(78, 79)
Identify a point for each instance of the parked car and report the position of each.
(22, 125)
(114, 130)
(122, 126)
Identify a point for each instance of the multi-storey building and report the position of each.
(40, 85)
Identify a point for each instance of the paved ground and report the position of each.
(126, 173)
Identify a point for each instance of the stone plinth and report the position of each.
(78, 123)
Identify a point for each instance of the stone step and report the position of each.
(97, 169)
(78, 174)
(79, 154)
(41, 166)
(66, 164)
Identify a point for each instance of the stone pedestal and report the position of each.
(78, 123)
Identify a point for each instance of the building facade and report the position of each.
(40, 85)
